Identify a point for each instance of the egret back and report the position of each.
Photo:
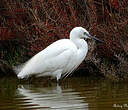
(55, 56)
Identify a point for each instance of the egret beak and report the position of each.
(97, 39)
(94, 38)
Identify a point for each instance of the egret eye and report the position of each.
(85, 33)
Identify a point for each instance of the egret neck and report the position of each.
(82, 47)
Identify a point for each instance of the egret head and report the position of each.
(81, 33)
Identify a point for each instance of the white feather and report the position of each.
(61, 57)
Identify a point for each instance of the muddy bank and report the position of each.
(6, 69)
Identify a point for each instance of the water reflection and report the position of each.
(51, 98)
(73, 94)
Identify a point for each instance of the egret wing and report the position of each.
(56, 56)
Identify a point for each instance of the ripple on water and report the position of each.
(73, 94)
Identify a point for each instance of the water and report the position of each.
(73, 94)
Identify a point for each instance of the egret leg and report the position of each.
(58, 82)
(58, 78)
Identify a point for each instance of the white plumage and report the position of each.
(59, 58)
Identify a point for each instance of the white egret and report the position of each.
(60, 58)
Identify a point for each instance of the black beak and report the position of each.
(94, 38)
(97, 39)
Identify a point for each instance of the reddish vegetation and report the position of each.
(37, 23)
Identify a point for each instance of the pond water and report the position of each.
(73, 94)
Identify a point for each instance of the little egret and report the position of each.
(60, 58)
